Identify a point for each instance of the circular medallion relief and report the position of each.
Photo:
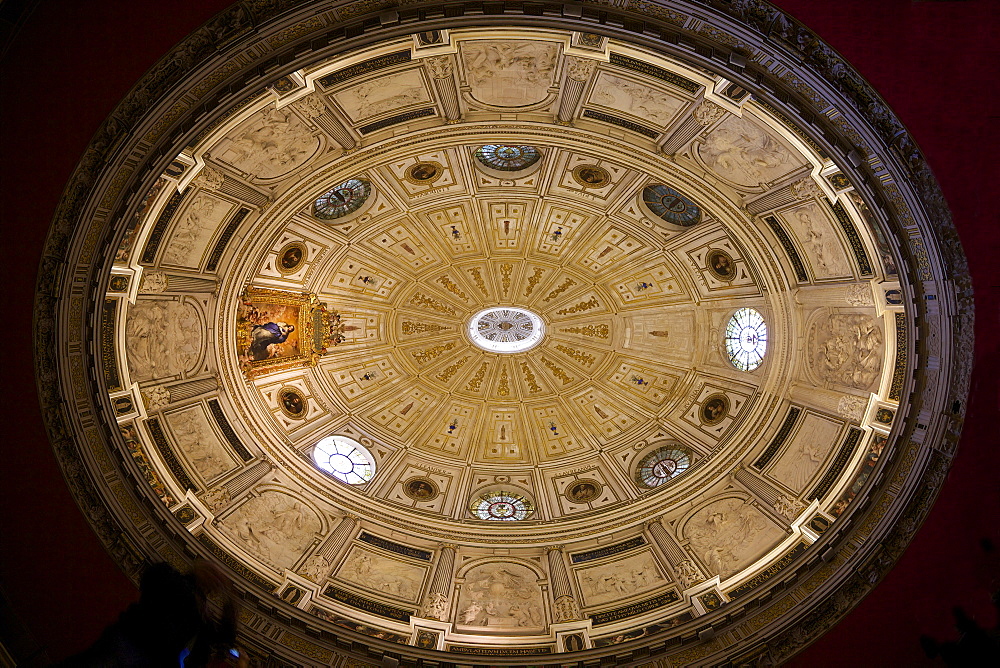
(291, 402)
(290, 257)
(591, 176)
(714, 409)
(423, 173)
(506, 330)
(720, 264)
(583, 491)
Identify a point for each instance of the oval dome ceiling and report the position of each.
(573, 332)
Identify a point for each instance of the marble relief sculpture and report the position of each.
(163, 338)
(381, 95)
(743, 153)
(619, 579)
(511, 73)
(729, 534)
(636, 99)
(382, 574)
(198, 441)
(316, 568)
(501, 596)
(847, 350)
(436, 607)
(273, 526)
(274, 145)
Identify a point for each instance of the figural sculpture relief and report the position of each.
(274, 526)
(820, 241)
(382, 95)
(274, 145)
(509, 74)
(729, 534)
(501, 596)
(381, 574)
(741, 152)
(198, 441)
(846, 350)
(634, 98)
(619, 579)
(163, 338)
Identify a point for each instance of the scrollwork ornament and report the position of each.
(688, 574)
(440, 67)
(789, 508)
(209, 179)
(435, 607)
(566, 609)
(707, 113)
(805, 189)
(580, 69)
(310, 106)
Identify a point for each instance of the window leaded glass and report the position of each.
(670, 205)
(506, 158)
(662, 465)
(342, 199)
(746, 339)
(501, 506)
(345, 459)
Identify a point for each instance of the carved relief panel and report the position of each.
(376, 572)
(728, 534)
(500, 596)
(806, 452)
(620, 579)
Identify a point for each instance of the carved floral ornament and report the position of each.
(399, 289)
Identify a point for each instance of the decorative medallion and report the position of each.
(746, 339)
(504, 158)
(662, 465)
(501, 506)
(506, 330)
(670, 205)
(342, 199)
(583, 490)
(421, 489)
(424, 173)
(591, 176)
(291, 257)
(714, 409)
(720, 264)
(345, 459)
(291, 402)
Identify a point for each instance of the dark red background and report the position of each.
(936, 64)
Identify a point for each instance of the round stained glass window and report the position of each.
(661, 465)
(501, 506)
(506, 330)
(345, 459)
(670, 205)
(342, 199)
(506, 158)
(746, 339)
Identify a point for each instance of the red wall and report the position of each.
(936, 64)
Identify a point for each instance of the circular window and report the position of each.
(670, 205)
(345, 459)
(501, 506)
(506, 330)
(342, 199)
(746, 339)
(505, 158)
(661, 465)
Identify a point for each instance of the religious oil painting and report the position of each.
(292, 403)
(278, 330)
(291, 257)
(721, 265)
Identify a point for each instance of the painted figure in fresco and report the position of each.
(582, 492)
(722, 265)
(267, 334)
(714, 410)
(423, 172)
(292, 402)
(591, 176)
(420, 490)
(291, 258)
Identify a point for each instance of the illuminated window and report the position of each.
(506, 330)
(344, 459)
(342, 199)
(670, 205)
(501, 506)
(746, 339)
(661, 465)
(507, 158)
